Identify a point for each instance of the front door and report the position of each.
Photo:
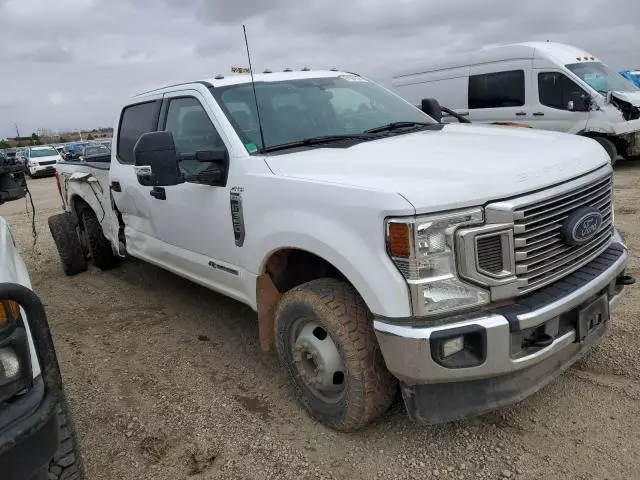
(554, 91)
(194, 219)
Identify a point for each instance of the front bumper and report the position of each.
(30, 442)
(42, 170)
(507, 371)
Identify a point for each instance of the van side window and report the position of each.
(134, 121)
(556, 90)
(192, 132)
(495, 90)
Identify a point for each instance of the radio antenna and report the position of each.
(255, 95)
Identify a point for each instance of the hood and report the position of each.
(458, 166)
(48, 158)
(631, 97)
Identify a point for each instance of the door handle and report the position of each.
(159, 193)
(521, 114)
(115, 186)
(538, 114)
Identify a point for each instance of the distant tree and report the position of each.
(4, 144)
(63, 139)
(89, 137)
(34, 136)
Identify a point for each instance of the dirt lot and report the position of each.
(166, 381)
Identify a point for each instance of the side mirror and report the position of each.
(218, 170)
(579, 102)
(431, 107)
(155, 160)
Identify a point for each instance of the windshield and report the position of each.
(96, 150)
(601, 78)
(43, 152)
(295, 110)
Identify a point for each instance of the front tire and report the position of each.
(326, 344)
(67, 461)
(610, 147)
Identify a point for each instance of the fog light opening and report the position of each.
(451, 347)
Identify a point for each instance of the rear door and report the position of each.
(554, 90)
(133, 200)
(499, 96)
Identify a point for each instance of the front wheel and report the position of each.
(610, 148)
(67, 461)
(102, 254)
(326, 344)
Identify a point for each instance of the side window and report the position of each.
(555, 90)
(192, 132)
(495, 90)
(135, 120)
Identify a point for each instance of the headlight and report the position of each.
(15, 368)
(422, 249)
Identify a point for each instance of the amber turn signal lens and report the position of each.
(399, 240)
(8, 309)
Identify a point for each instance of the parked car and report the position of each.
(92, 152)
(37, 438)
(546, 85)
(40, 161)
(468, 264)
(633, 76)
(106, 142)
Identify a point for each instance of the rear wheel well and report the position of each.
(78, 204)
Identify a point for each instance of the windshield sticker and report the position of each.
(251, 147)
(352, 78)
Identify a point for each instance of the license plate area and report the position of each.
(591, 317)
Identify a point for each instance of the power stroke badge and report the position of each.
(236, 215)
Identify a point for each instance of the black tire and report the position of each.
(369, 388)
(102, 254)
(67, 461)
(609, 146)
(64, 232)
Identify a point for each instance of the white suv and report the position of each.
(41, 161)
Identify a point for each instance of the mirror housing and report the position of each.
(579, 102)
(431, 107)
(155, 160)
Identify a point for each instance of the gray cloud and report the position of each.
(81, 58)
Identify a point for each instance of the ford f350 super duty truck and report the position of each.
(468, 265)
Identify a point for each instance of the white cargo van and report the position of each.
(544, 85)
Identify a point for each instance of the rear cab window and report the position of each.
(134, 121)
(497, 90)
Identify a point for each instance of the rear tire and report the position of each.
(65, 235)
(67, 461)
(360, 388)
(102, 254)
(610, 147)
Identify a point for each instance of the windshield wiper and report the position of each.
(312, 141)
(389, 127)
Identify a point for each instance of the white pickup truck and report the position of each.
(379, 246)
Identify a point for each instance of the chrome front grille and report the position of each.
(541, 256)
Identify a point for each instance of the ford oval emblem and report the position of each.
(581, 226)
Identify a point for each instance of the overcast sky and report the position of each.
(71, 63)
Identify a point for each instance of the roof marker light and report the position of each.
(219, 77)
(267, 71)
(287, 70)
(305, 69)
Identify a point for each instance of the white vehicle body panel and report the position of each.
(329, 202)
(447, 80)
(13, 270)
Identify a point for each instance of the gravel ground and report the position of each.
(166, 381)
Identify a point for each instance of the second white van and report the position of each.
(543, 85)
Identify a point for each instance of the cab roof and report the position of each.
(237, 79)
